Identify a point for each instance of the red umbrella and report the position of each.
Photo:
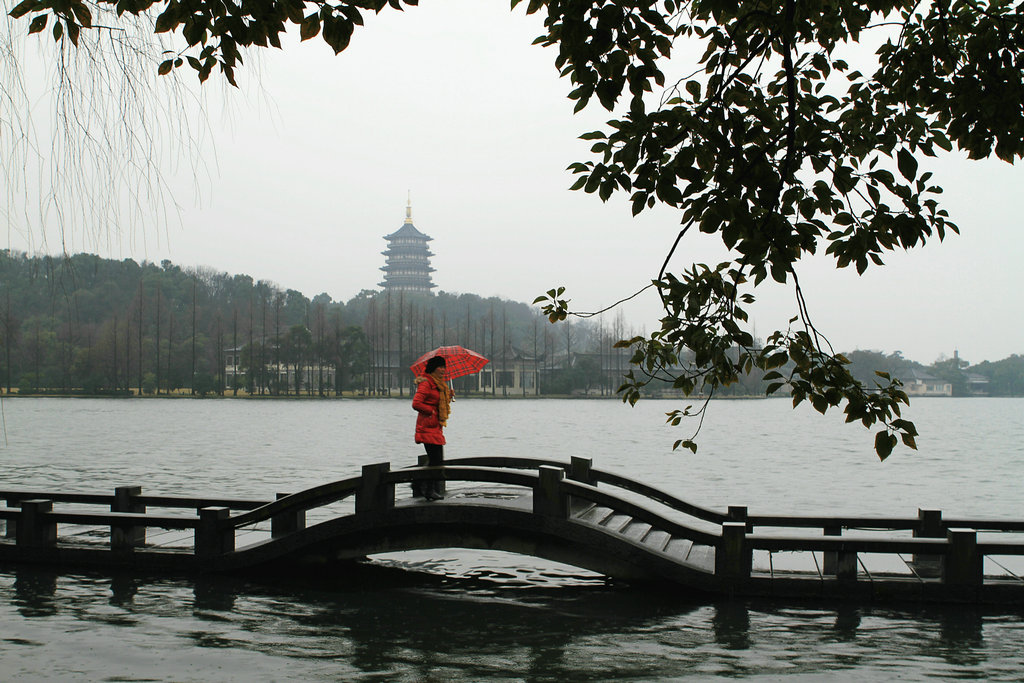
(458, 361)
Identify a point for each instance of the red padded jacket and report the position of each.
(425, 402)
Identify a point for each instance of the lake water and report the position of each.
(472, 615)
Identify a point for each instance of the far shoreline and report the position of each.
(358, 397)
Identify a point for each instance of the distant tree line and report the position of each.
(82, 324)
(86, 325)
(1001, 378)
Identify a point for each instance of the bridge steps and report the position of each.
(690, 553)
(636, 531)
(678, 548)
(702, 556)
(592, 513)
(617, 522)
(681, 549)
(657, 539)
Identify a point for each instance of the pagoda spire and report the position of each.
(408, 210)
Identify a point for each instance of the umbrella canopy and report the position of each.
(458, 361)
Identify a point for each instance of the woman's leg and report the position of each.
(435, 454)
(435, 458)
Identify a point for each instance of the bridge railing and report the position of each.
(553, 494)
(31, 520)
(928, 523)
(952, 545)
(948, 548)
(581, 470)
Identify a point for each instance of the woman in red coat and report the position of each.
(432, 402)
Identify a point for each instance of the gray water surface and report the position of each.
(466, 615)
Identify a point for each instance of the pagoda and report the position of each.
(407, 266)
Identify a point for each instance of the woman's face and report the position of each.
(438, 373)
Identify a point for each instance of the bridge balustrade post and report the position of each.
(213, 537)
(12, 525)
(548, 498)
(738, 513)
(34, 529)
(285, 523)
(929, 525)
(580, 470)
(733, 557)
(374, 492)
(838, 563)
(124, 536)
(963, 565)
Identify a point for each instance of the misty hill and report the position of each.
(85, 322)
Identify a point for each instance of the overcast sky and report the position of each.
(450, 104)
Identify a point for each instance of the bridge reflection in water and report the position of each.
(566, 512)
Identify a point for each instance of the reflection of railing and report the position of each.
(947, 553)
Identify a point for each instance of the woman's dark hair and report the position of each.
(435, 363)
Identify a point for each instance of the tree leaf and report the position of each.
(310, 27)
(83, 14)
(907, 164)
(38, 24)
(167, 19)
(884, 443)
(23, 8)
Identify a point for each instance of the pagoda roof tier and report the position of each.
(418, 270)
(408, 230)
(398, 250)
(418, 285)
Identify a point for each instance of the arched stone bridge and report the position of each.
(567, 512)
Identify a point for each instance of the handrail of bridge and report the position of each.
(957, 549)
(14, 496)
(124, 519)
(578, 490)
(579, 469)
(638, 512)
(928, 523)
(590, 475)
(294, 504)
(484, 475)
(874, 544)
(554, 485)
(339, 490)
(872, 523)
(324, 494)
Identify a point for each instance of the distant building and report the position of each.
(920, 383)
(511, 371)
(977, 385)
(314, 375)
(407, 266)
